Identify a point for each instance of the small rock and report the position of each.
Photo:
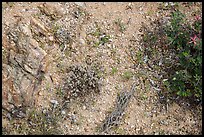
(82, 4)
(166, 4)
(8, 115)
(84, 107)
(85, 129)
(54, 102)
(40, 93)
(51, 38)
(140, 8)
(25, 29)
(147, 17)
(82, 41)
(39, 24)
(157, 133)
(171, 3)
(63, 112)
(51, 10)
(73, 119)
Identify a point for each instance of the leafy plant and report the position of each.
(173, 47)
(139, 56)
(181, 46)
(102, 38)
(114, 70)
(121, 25)
(127, 75)
(187, 40)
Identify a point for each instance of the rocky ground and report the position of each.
(42, 40)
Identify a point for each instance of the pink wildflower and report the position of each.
(194, 39)
(197, 17)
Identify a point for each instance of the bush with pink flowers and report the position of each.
(183, 40)
(187, 42)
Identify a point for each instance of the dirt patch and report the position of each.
(59, 35)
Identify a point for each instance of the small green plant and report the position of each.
(162, 132)
(97, 33)
(121, 25)
(144, 97)
(150, 12)
(55, 28)
(127, 75)
(139, 56)
(119, 130)
(114, 70)
(59, 92)
(47, 87)
(102, 38)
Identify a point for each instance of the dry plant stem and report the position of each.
(121, 103)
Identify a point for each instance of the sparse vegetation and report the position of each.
(80, 81)
(114, 70)
(102, 38)
(36, 122)
(68, 68)
(127, 75)
(121, 25)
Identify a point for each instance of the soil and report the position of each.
(145, 114)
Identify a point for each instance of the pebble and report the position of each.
(82, 41)
(51, 38)
(137, 129)
(140, 8)
(166, 4)
(25, 29)
(84, 107)
(100, 120)
(40, 93)
(85, 129)
(73, 119)
(63, 112)
(54, 102)
(82, 4)
(171, 3)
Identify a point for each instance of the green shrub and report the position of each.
(178, 43)
(187, 42)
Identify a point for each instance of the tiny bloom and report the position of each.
(193, 39)
(197, 17)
